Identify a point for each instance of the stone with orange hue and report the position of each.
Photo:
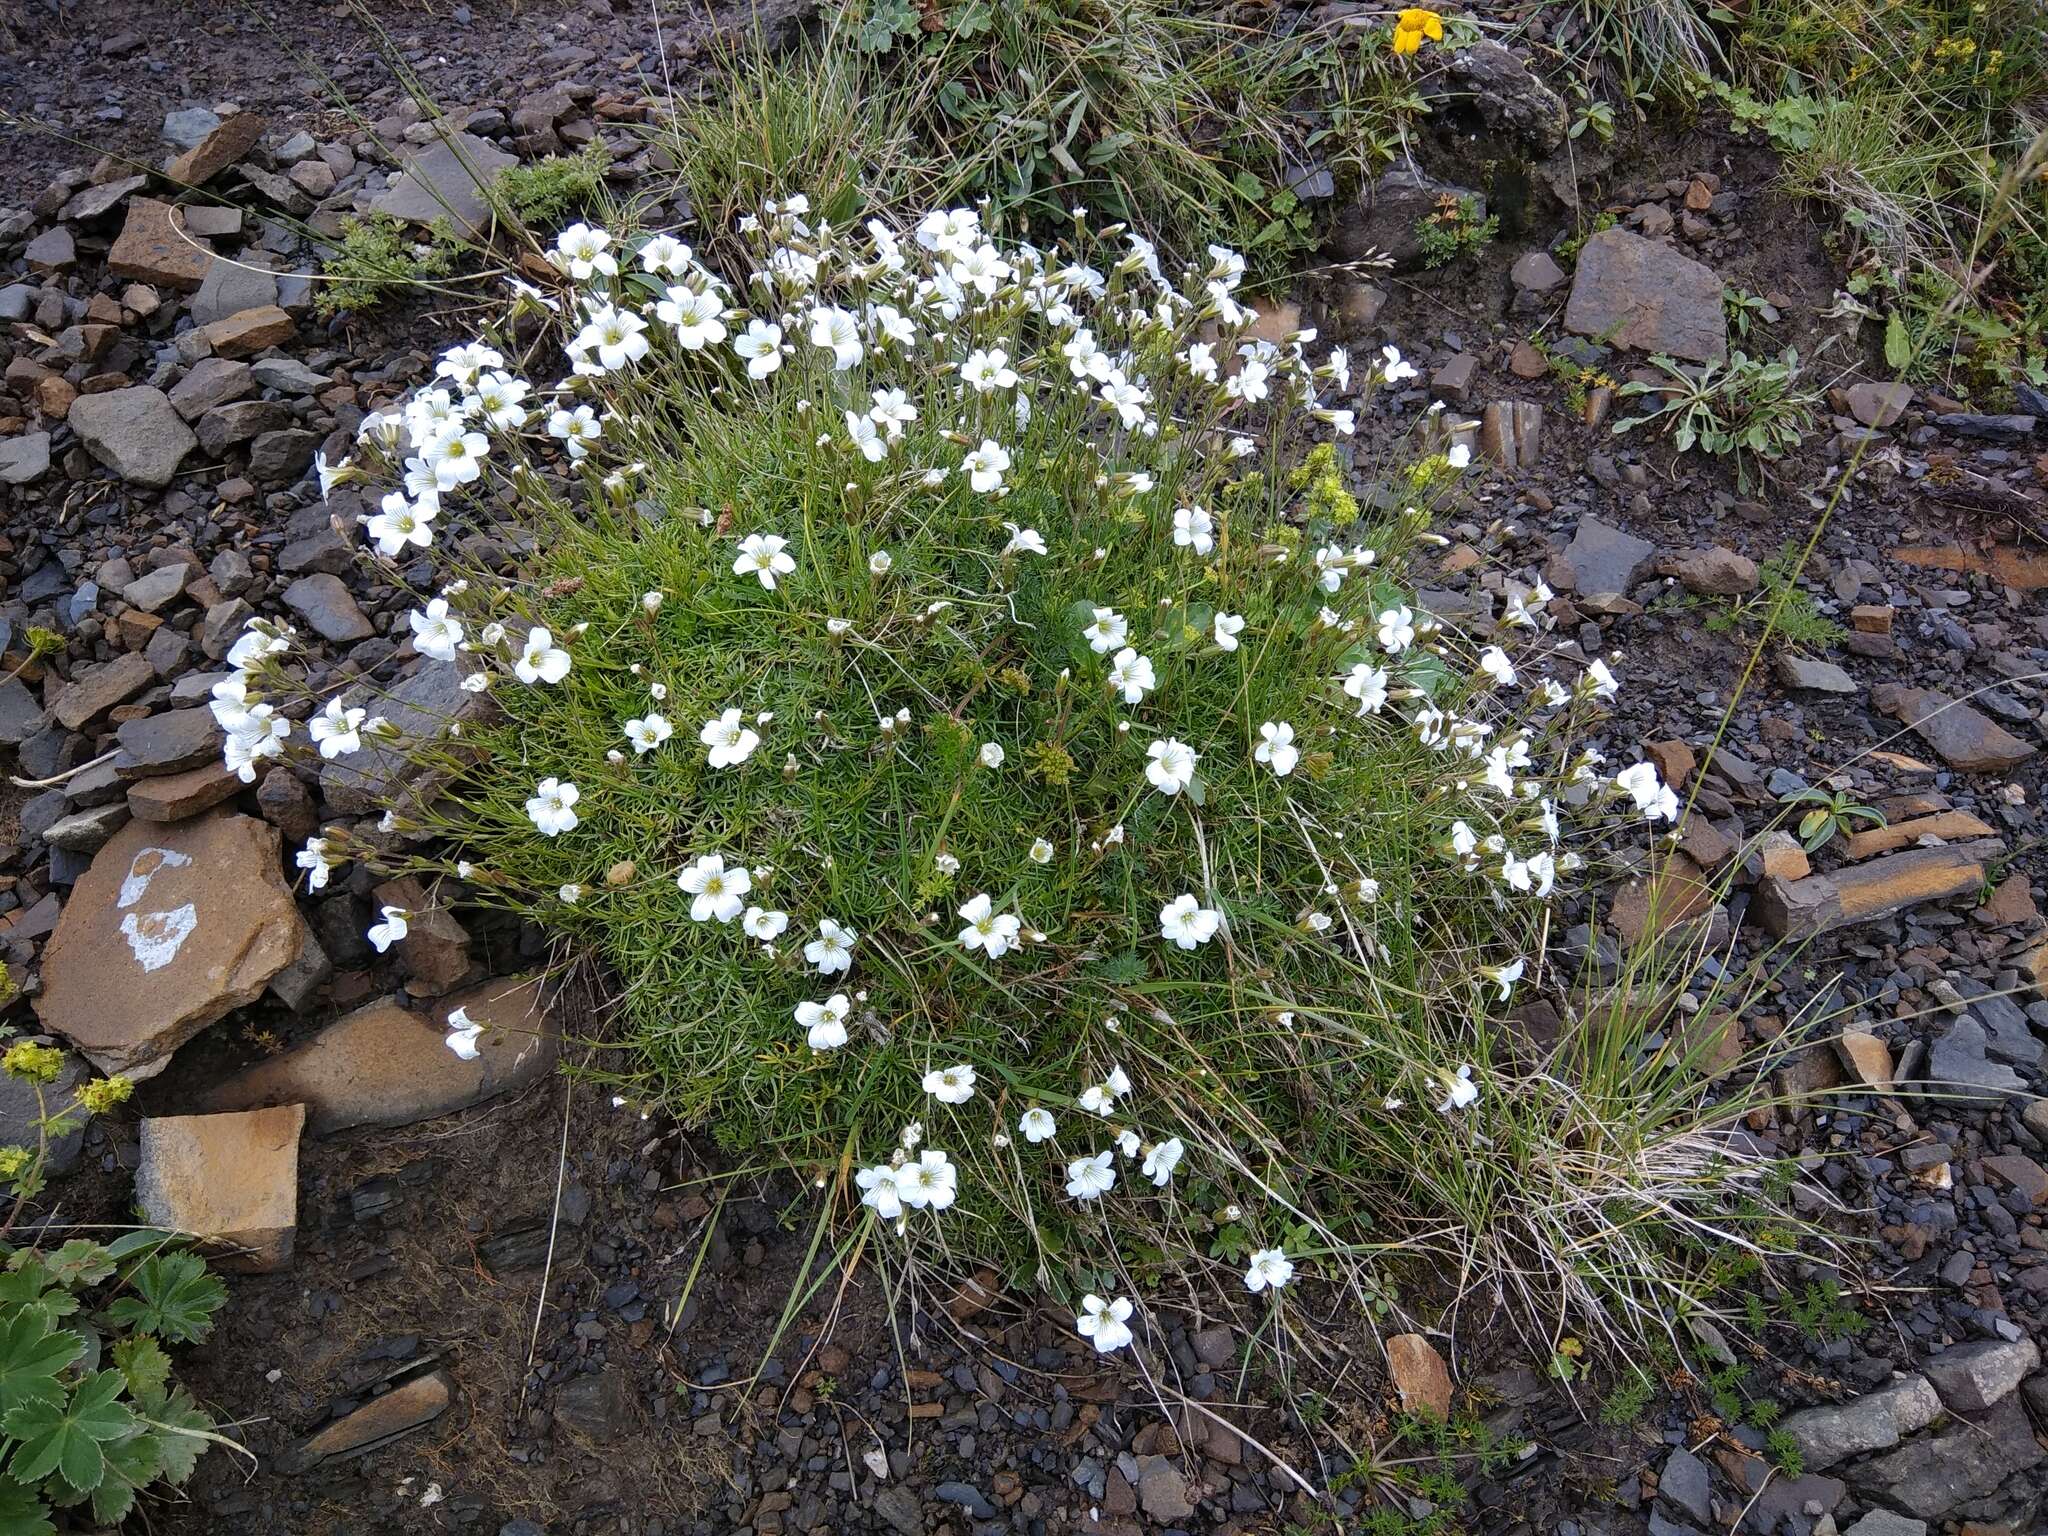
(1865, 1057)
(180, 795)
(1679, 896)
(1421, 1379)
(228, 143)
(153, 249)
(1871, 618)
(1674, 762)
(1949, 826)
(2012, 902)
(1780, 856)
(1800, 909)
(171, 928)
(248, 332)
(378, 1422)
(386, 1065)
(231, 1179)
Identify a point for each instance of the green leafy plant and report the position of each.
(1454, 228)
(543, 193)
(1750, 408)
(1779, 603)
(375, 259)
(1745, 309)
(38, 1066)
(1833, 812)
(88, 1413)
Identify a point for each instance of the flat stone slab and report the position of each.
(231, 1179)
(1802, 909)
(445, 180)
(136, 432)
(1600, 558)
(1966, 738)
(378, 1422)
(151, 248)
(171, 928)
(1633, 292)
(421, 707)
(386, 1065)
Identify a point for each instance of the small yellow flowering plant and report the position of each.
(1412, 26)
(40, 1065)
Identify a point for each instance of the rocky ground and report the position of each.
(389, 1358)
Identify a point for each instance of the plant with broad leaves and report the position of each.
(1833, 811)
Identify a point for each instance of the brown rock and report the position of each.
(1679, 895)
(1527, 361)
(1949, 826)
(249, 332)
(220, 149)
(1800, 909)
(2012, 902)
(183, 794)
(171, 927)
(1865, 1057)
(2034, 966)
(92, 694)
(384, 1065)
(2023, 1174)
(153, 249)
(378, 1422)
(1674, 762)
(1511, 434)
(435, 949)
(231, 1179)
(1781, 857)
(1718, 571)
(1871, 618)
(1966, 738)
(1633, 292)
(1421, 1379)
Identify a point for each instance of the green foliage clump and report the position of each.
(88, 1412)
(544, 193)
(1454, 228)
(1751, 408)
(376, 259)
(1779, 603)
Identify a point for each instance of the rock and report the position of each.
(249, 332)
(20, 715)
(1949, 826)
(159, 589)
(435, 949)
(1959, 1063)
(92, 693)
(1162, 1491)
(1718, 571)
(1510, 97)
(1383, 219)
(1678, 899)
(1879, 405)
(22, 1107)
(421, 707)
(1882, 1522)
(1780, 856)
(188, 127)
(1454, 377)
(87, 831)
(1536, 272)
(324, 602)
(278, 458)
(231, 287)
(1809, 675)
(901, 1509)
(224, 426)
(24, 459)
(1930, 1476)
(152, 249)
(171, 928)
(1873, 1422)
(1801, 909)
(1687, 1485)
(1997, 429)
(1866, 1058)
(135, 432)
(1600, 558)
(441, 181)
(598, 1406)
(52, 251)
(1674, 761)
(289, 376)
(1421, 1380)
(231, 1179)
(101, 199)
(2021, 1174)
(1511, 434)
(1966, 739)
(383, 1065)
(220, 149)
(288, 806)
(211, 382)
(1974, 1377)
(1638, 293)
(167, 743)
(179, 795)
(377, 1423)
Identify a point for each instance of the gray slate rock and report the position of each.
(1873, 1422)
(231, 287)
(1686, 1484)
(167, 743)
(24, 459)
(1809, 674)
(326, 604)
(1600, 558)
(446, 181)
(1972, 1459)
(135, 432)
(1639, 293)
(1510, 97)
(1957, 1062)
(1384, 218)
(1882, 1522)
(1974, 1377)
(422, 706)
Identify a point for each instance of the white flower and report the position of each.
(1024, 541)
(1463, 1094)
(832, 949)
(1131, 675)
(1162, 1160)
(1368, 685)
(648, 732)
(1397, 630)
(1395, 370)
(1270, 1269)
(761, 554)
(1107, 1323)
(580, 250)
(1276, 747)
(259, 734)
(994, 933)
(1090, 1178)
(1100, 1098)
(1458, 455)
(1603, 684)
(833, 329)
(986, 465)
(541, 660)
(1228, 627)
(879, 1191)
(731, 741)
(992, 754)
(716, 889)
(1194, 529)
(930, 1183)
(1505, 976)
(1127, 1143)
(1184, 921)
(617, 336)
(335, 730)
(1172, 765)
(435, 631)
(984, 371)
(498, 397)
(880, 563)
(825, 1023)
(1036, 1125)
(1493, 661)
(1655, 799)
(764, 923)
(695, 318)
(1040, 851)
(761, 345)
(388, 932)
(866, 438)
(399, 522)
(463, 1034)
(317, 860)
(577, 429)
(553, 807)
(950, 1085)
(665, 254)
(1106, 631)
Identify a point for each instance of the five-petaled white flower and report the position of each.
(463, 1034)
(317, 859)
(648, 732)
(1106, 631)
(950, 1085)
(1024, 541)
(1276, 748)
(1105, 1323)
(1463, 1092)
(1269, 1269)
(552, 807)
(1397, 629)
(1185, 922)
(992, 932)
(761, 554)
(760, 344)
(730, 739)
(832, 950)
(540, 659)
(838, 333)
(930, 1183)
(1172, 765)
(1161, 1160)
(581, 250)
(1194, 529)
(1368, 685)
(1654, 798)
(764, 923)
(1228, 627)
(1131, 675)
(337, 731)
(1090, 1178)
(986, 466)
(435, 631)
(1100, 1098)
(1036, 1125)
(825, 1023)
(717, 891)
(394, 927)
(992, 755)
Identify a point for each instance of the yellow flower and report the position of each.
(103, 1094)
(13, 1160)
(1412, 26)
(32, 1063)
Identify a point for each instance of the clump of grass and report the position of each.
(377, 258)
(1088, 797)
(544, 193)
